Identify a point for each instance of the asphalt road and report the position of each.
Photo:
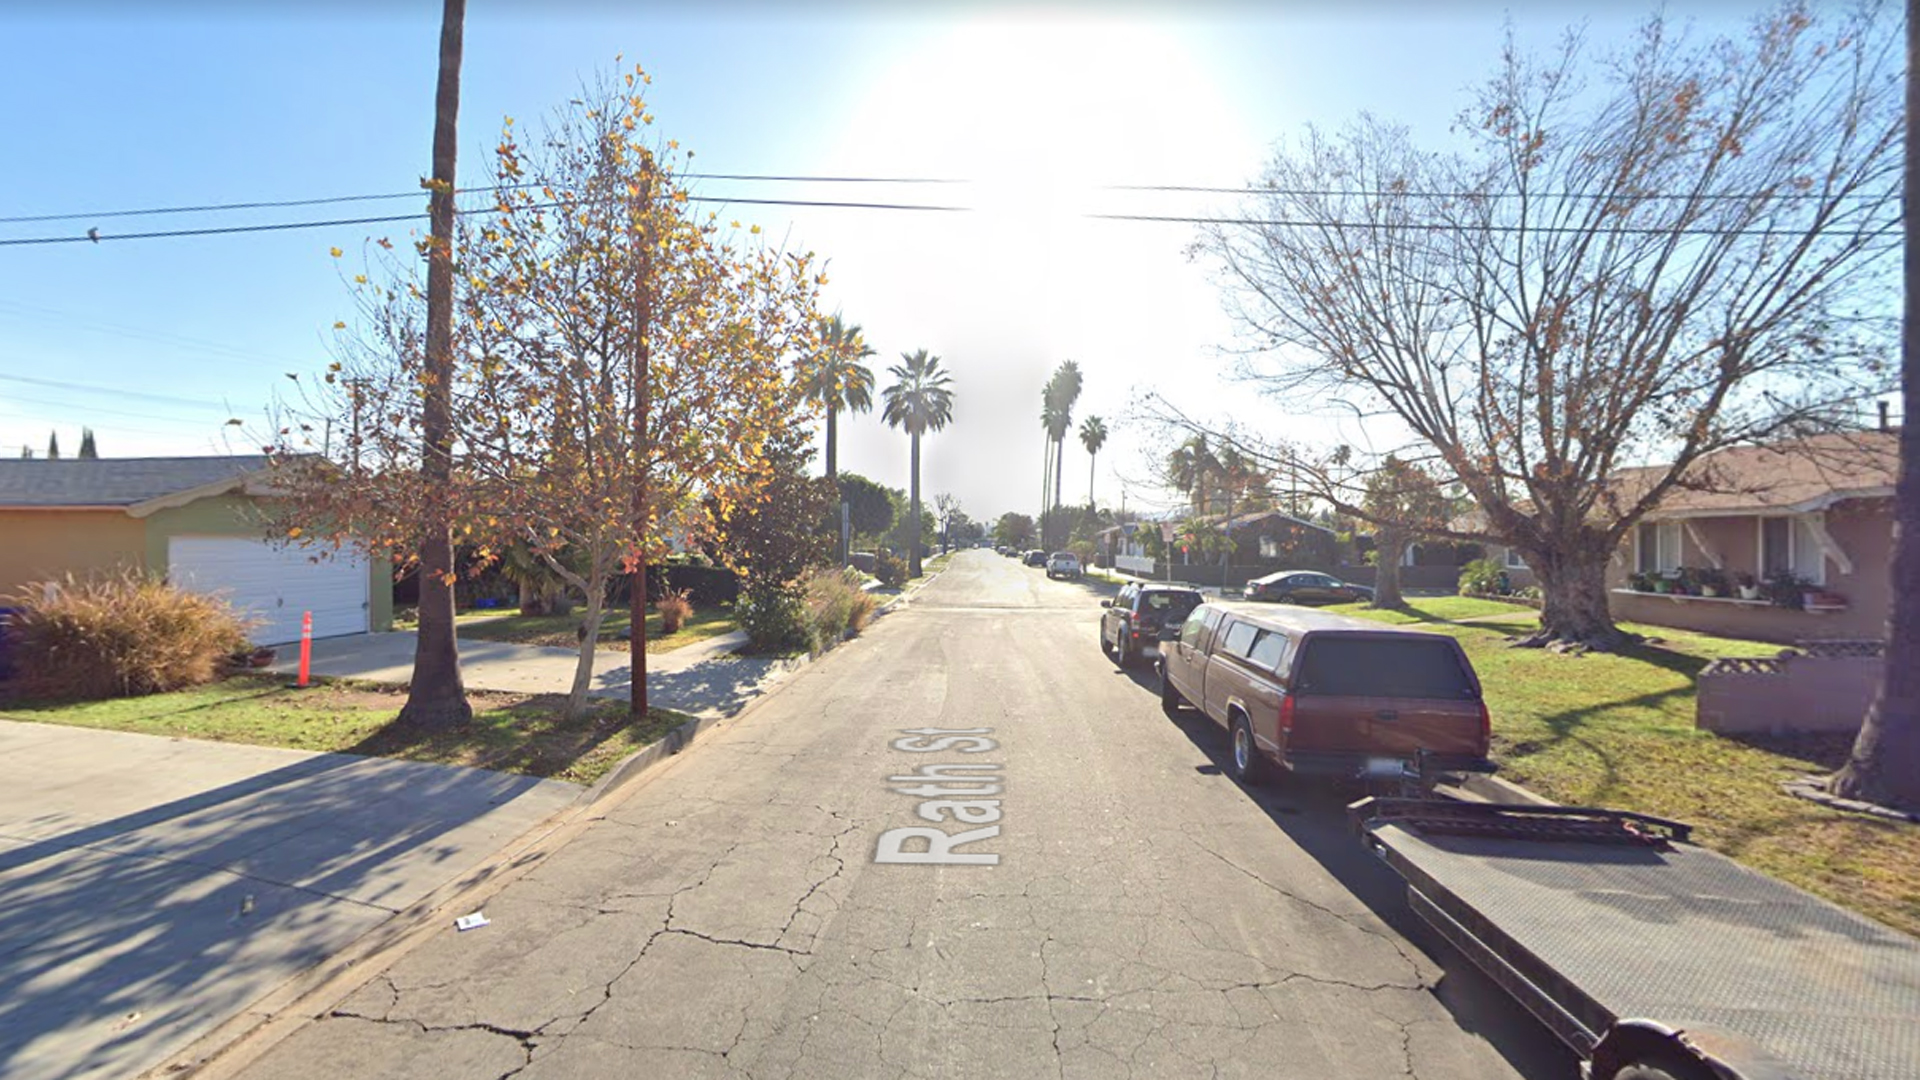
(1142, 916)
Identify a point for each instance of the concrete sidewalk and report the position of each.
(701, 679)
(155, 887)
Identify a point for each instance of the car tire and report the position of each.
(1660, 1068)
(1122, 656)
(1243, 755)
(1105, 649)
(1170, 699)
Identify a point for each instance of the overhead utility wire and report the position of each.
(282, 204)
(94, 236)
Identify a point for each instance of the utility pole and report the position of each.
(642, 378)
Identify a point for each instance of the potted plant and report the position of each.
(1640, 581)
(1745, 586)
(1713, 581)
(1785, 588)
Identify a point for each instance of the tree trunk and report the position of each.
(913, 531)
(589, 642)
(1391, 549)
(436, 698)
(1091, 458)
(1885, 765)
(833, 445)
(1046, 482)
(1575, 610)
(1059, 466)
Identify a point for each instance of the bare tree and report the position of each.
(1885, 765)
(1680, 248)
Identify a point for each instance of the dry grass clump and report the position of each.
(119, 635)
(675, 607)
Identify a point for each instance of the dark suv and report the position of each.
(1130, 627)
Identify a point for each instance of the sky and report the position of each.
(155, 343)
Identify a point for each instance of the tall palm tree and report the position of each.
(838, 381)
(919, 401)
(1093, 436)
(1063, 390)
(436, 696)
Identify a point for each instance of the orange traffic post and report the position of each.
(306, 646)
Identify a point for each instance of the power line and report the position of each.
(328, 200)
(54, 384)
(94, 236)
(91, 410)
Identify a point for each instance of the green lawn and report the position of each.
(1618, 730)
(516, 733)
(562, 630)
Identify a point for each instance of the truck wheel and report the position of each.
(1247, 765)
(1123, 655)
(1170, 699)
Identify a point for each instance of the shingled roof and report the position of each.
(117, 482)
(1796, 476)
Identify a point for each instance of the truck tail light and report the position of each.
(1486, 726)
(1286, 714)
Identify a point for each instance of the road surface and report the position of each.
(1128, 911)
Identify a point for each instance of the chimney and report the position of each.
(1885, 424)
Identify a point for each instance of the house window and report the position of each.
(1269, 548)
(1514, 561)
(1659, 546)
(1789, 543)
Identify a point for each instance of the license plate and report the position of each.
(1386, 766)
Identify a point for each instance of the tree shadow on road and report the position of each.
(124, 938)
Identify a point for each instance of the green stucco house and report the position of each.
(198, 522)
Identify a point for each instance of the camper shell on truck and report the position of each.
(1304, 691)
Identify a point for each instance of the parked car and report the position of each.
(1063, 564)
(1315, 693)
(1305, 587)
(1035, 557)
(1130, 625)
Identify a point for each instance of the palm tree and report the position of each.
(1063, 390)
(919, 401)
(1093, 436)
(436, 696)
(838, 381)
(1189, 467)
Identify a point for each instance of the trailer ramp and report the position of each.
(1591, 917)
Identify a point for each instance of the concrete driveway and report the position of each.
(702, 678)
(151, 888)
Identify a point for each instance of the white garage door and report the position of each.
(274, 585)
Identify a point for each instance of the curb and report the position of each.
(242, 1039)
(1488, 788)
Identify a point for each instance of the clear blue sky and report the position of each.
(114, 105)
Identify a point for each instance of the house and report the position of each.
(1263, 540)
(198, 521)
(1813, 516)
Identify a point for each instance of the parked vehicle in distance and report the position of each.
(1305, 587)
(1063, 564)
(1315, 693)
(1035, 557)
(1130, 625)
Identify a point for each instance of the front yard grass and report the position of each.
(514, 733)
(561, 631)
(1618, 730)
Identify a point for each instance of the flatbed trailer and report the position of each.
(1650, 957)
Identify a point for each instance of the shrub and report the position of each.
(1083, 550)
(829, 608)
(707, 586)
(674, 606)
(890, 569)
(1480, 576)
(120, 635)
(864, 605)
(774, 617)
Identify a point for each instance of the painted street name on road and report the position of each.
(954, 791)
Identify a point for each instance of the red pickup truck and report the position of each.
(1303, 691)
